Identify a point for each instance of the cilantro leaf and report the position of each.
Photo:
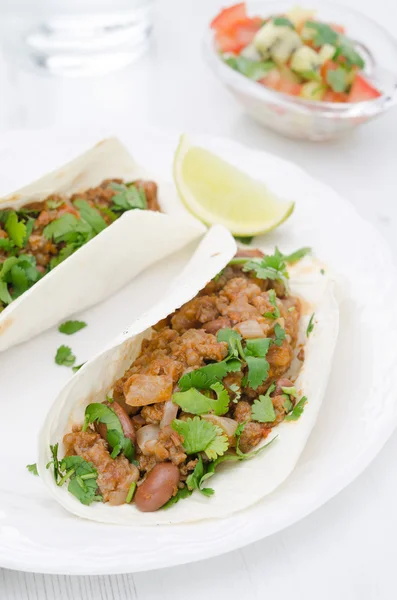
(197, 477)
(282, 22)
(82, 476)
(32, 469)
(258, 347)
(54, 204)
(233, 339)
(310, 326)
(64, 356)
(275, 314)
(15, 229)
(19, 280)
(6, 245)
(128, 197)
(201, 436)
(346, 49)
(180, 495)
(54, 461)
(322, 33)
(337, 79)
(90, 215)
(271, 267)
(205, 377)
(262, 408)
(68, 228)
(279, 332)
(255, 70)
(297, 411)
(192, 401)
(288, 406)
(62, 255)
(297, 255)
(77, 367)
(100, 413)
(70, 327)
(236, 390)
(4, 293)
(258, 371)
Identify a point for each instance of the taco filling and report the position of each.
(207, 387)
(39, 236)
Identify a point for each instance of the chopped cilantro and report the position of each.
(297, 411)
(16, 229)
(66, 229)
(291, 309)
(258, 371)
(64, 356)
(337, 79)
(271, 267)
(90, 215)
(128, 197)
(180, 495)
(17, 274)
(100, 413)
(255, 70)
(262, 408)
(197, 477)
(54, 461)
(310, 326)
(288, 406)
(244, 240)
(233, 339)
(32, 469)
(205, 377)
(290, 391)
(6, 245)
(82, 476)
(279, 332)
(297, 255)
(54, 204)
(258, 347)
(275, 314)
(77, 367)
(322, 33)
(201, 436)
(5, 297)
(322, 271)
(282, 22)
(70, 327)
(131, 492)
(192, 401)
(347, 51)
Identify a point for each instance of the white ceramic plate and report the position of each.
(358, 414)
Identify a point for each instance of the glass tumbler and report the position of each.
(76, 37)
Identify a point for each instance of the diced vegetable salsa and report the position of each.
(293, 53)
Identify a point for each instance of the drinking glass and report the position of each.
(76, 37)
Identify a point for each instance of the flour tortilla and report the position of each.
(131, 244)
(237, 485)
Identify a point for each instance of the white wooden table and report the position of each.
(345, 550)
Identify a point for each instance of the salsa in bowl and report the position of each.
(308, 73)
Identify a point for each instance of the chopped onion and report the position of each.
(146, 437)
(169, 414)
(117, 497)
(251, 329)
(229, 426)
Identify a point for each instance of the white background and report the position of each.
(346, 550)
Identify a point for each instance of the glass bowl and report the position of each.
(313, 120)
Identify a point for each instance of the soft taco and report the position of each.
(204, 405)
(77, 235)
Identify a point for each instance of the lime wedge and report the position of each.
(216, 192)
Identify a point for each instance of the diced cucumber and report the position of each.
(306, 60)
(298, 15)
(326, 52)
(250, 52)
(313, 91)
(277, 42)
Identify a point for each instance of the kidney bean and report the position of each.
(158, 487)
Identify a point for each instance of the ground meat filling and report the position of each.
(184, 342)
(46, 252)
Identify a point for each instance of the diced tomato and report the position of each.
(275, 81)
(331, 96)
(272, 79)
(337, 28)
(329, 65)
(239, 36)
(362, 90)
(289, 87)
(228, 17)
